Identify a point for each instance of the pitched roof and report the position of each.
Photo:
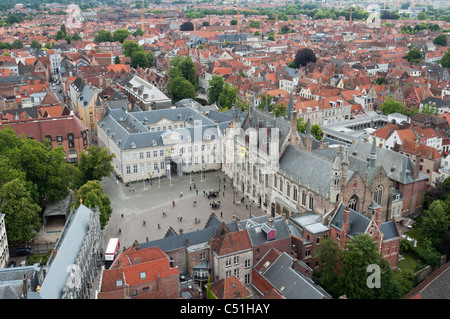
(232, 243)
(230, 288)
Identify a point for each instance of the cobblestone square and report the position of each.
(137, 202)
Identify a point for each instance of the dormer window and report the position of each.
(59, 138)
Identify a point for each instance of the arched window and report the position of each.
(295, 193)
(281, 185)
(311, 202)
(303, 198)
(378, 196)
(353, 203)
(288, 189)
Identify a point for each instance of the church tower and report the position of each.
(336, 179)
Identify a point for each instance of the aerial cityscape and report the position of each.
(251, 150)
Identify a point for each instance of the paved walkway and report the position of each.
(148, 203)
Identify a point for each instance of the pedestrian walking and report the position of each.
(181, 219)
(221, 214)
(173, 204)
(121, 215)
(195, 187)
(143, 222)
(223, 194)
(196, 192)
(159, 226)
(120, 230)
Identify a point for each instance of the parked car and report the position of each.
(23, 251)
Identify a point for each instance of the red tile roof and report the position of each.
(230, 288)
(232, 243)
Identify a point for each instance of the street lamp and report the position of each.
(219, 182)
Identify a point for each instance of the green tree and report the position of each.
(441, 40)
(179, 88)
(316, 130)
(35, 45)
(150, 57)
(329, 254)
(120, 35)
(215, 88)
(116, 60)
(103, 36)
(95, 163)
(254, 24)
(46, 168)
(429, 109)
(188, 70)
(233, 22)
(362, 251)
(17, 44)
(445, 61)
(414, 55)
(228, 97)
(63, 29)
(92, 195)
(139, 59)
(280, 110)
(129, 47)
(436, 222)
(266, 99)
(390, 105)
(21, 212)
(138, 32)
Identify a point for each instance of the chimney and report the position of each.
(270, 222)
(25, 286)
(186, 242)
(417, 166)
(346, 219)
(378, 217)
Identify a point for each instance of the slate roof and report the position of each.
(359, 152)
(196, 237)
(257, 226)
(359, 224)
(72, 239)
(292, 284)
(86, 96)
(436, 286)
(128, 128)
(294, 158)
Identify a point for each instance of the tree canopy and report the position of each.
(120, 35)
(215, 88)
(103, 36)
(92, 195)
(304, 56)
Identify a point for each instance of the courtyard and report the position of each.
(147, 201)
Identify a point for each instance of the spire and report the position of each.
(308, 127)
(290, 105)
(373, 153)
(337, 161)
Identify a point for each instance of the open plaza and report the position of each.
(147, 201)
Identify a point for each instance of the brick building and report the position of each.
(346, 223)
(66, 131)
(140, 274)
